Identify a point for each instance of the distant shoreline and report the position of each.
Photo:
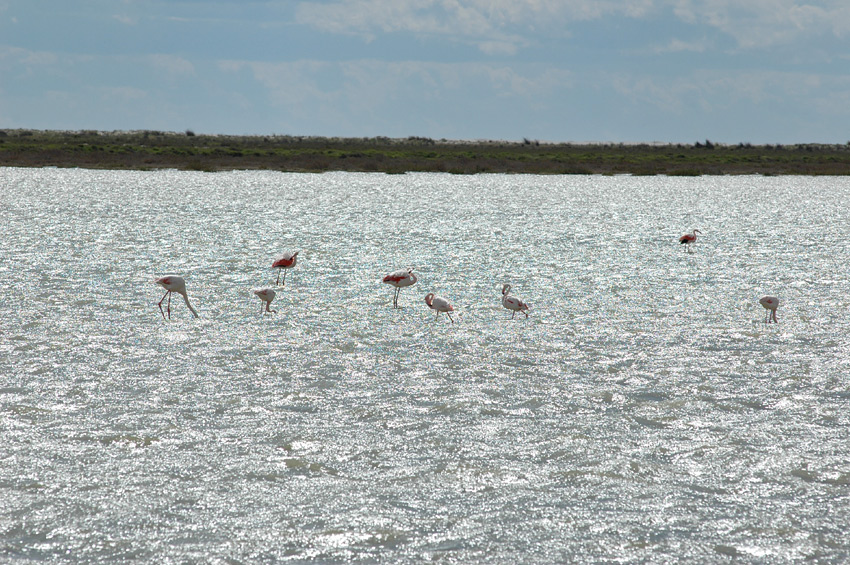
(152, 150)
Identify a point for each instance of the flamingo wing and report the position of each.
(395, 278)
(400, 278)
(514, 303)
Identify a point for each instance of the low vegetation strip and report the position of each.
(147, 150)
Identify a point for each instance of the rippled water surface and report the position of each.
(642, 413)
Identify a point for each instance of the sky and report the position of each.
(671, 71)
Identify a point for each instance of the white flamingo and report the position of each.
(439, 304)
(285, 261)
(266, 295)
(400, 279)
(173, 283)
(770, 303)
(689, 238)
(512, 302)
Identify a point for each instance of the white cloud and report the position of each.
(493, 26)
(718, 91)
(680, 45)
(172, 65)
(497, 47)
(764, 23)
(288, 83)
(330, 96)
(505, 26)
(127, 20)
(123, 94)
(16, 59)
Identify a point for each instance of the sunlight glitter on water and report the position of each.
(643, 412)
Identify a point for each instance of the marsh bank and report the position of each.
(147, 150)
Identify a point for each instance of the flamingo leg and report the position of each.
(167, 292)
(284, 278)
(395, 297)
(513, 313)
(449, 314)
(526, 314)
(278, 278)
(169, 306)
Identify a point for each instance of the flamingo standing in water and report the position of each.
(173, 283)
(770, 303)
(512, 302)
(439, 304)
(400, 279)
(689, 238)
(266, 295)
(285, 261)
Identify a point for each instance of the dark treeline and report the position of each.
(147, 150)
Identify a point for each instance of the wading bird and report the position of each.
(400, 279)
(512, 302)
(266, 295)
(439, 304)
(285, 261)
(770, 303)
(173, 283)
(689, 238)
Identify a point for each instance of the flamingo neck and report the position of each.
(186, 300)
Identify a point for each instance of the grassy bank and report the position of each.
(145, 150)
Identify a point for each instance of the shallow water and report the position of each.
(642, 413)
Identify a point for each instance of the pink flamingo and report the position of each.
(770, 303)
(439, 304)
(266, 296)
(689, 238)
(285, 261)
(512, 302)
(173, 283)
(400, 279)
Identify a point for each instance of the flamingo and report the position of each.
(400, 279)
(173, 283)
(439, 304)
(512, 302)
(770, 303)
(689, 238)
(285, 261)
(266, 295)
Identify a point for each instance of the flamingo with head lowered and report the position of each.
(400, 279)
(512, 302)
(285, 261)
(173, 283)
(689, 238)
(439, 304)
(770, 303)
(266, 295)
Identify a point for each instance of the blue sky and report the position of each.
(758, 71)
